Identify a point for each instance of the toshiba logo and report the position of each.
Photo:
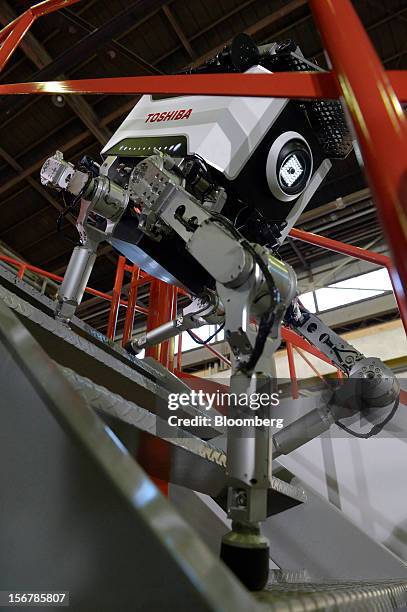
(169, 115)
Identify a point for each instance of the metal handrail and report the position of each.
(369, 92)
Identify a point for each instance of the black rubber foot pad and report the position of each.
(250, 565)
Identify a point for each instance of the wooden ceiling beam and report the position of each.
(178, 31)
(33, 183)
(40, 57)
(132, 55)
(256, 27)
(67, 146)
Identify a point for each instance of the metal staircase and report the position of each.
(81, 514)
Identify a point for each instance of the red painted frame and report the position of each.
(14, 32)
(369, 92)
(372, 97)
(358, 253)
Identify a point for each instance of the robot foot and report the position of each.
(246, 552)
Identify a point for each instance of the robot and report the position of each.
(201, 192)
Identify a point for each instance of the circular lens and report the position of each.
(58, 100)
(289, 166)
(294, 167)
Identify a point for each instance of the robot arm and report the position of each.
(381, 387)
(250, 283)
(101, 205)
(370, 389)
(170, 194)
(203, 310)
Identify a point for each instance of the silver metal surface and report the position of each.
(75, 280)
(205, 578)
(192, 462)
(319, 538)
(201, 311)
(382, 596)
(338, 350)
(105, 364)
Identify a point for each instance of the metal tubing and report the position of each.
(21, 272)
(12, 34)
(310, 364)
(157, 335)
(169, 345)
(214, 351)
(358, 253)
(132, 303)
(14, 38)
(282, 85)
(301, 431)
(379, 122)
(117, 289)
(340, 247)
(311, 86)
(75, 280)
(293, 375)
(56, 277)
(162, 308)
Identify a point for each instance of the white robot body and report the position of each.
(223, 130)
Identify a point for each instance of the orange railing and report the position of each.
(14, 32)
(370, 93)
(23, 267)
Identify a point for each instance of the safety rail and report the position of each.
(357, 253)
(24, 267)
(369, 93)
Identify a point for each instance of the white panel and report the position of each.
(224, 130)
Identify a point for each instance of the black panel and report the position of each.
(251, 184)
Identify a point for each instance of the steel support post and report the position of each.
(131, 305)
(115, 304)
(161, 310)
(358, 253)
(379, 122)
(14, 32)
(293, 375)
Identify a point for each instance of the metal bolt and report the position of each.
(241, 498)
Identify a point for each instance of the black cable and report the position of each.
(376, 428)
(267, 319)
(207, 176)
(68, 208)
(203, 342)
(61, 217)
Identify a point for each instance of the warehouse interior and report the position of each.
(102, 499)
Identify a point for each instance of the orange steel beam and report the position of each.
(303, 85)
(115, 304)
(379, 121)
(341, 247)
(293, 375)
(293, 338)
(278, 85)
(309, 363)
(13, 33)
(132, 303)
(358, 253)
